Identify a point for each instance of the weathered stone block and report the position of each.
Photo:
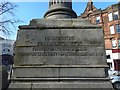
(27, 72)
(60, 46)
(36, 72)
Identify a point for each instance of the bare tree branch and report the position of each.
(7, 19)
(7, 7)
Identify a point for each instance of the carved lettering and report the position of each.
(59, 43)
(59, 54)
(61, 46)
(56, 38)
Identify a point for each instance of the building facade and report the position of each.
(6, 53)
(109, 19)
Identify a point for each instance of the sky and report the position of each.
(26, 11)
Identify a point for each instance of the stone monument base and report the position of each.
(65, 54)
(62, 85)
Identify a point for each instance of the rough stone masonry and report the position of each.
(60, 52)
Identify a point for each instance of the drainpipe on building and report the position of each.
(102, 21)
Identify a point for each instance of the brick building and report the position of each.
(109, 19)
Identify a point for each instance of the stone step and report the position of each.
(61, 66)
(61, 60)
(60, 79)
(60, 71)
(82, 85)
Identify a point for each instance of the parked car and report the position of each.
(115, 78)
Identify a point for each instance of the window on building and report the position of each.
(3, 50)
(119, 42)
(110, 17)
(108, 57)
(115, 15)
(114, 43)
(8, 50)
(98, 20)
(118, 28)
(112, 31)
(117, 64)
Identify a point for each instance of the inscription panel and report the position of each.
(31, 37)
(69, 48)
(60, 46)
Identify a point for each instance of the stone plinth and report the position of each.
(65, 54)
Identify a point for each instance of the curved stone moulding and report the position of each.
(59, 9)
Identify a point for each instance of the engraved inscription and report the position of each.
(63, 38)
(59, 49)
(59, 43)
(61, 46)
(60, 54)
